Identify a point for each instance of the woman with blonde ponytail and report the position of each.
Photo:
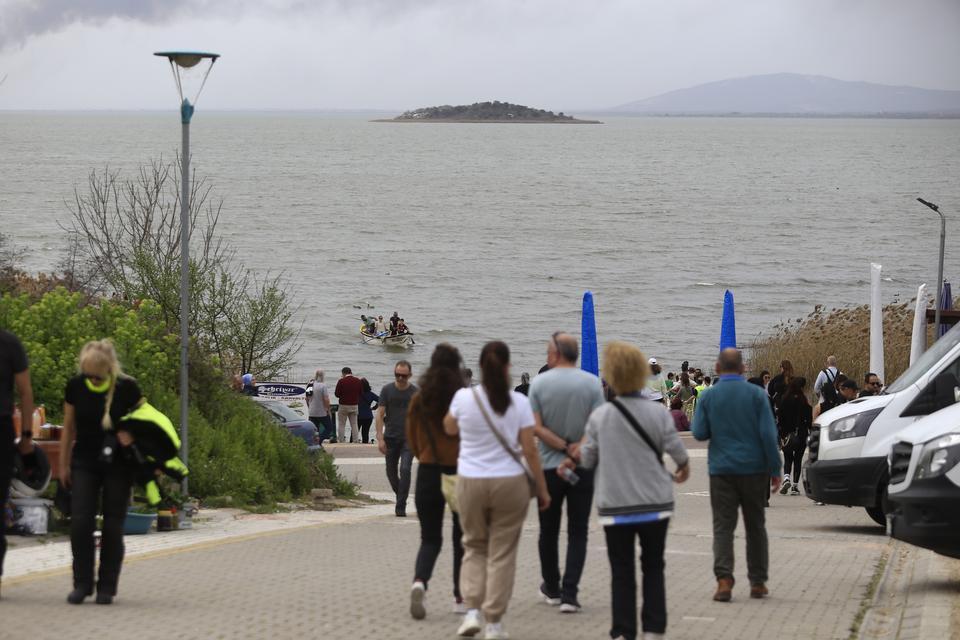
(91, 465)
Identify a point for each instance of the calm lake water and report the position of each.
(477, 232)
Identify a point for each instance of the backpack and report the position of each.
(831, 398)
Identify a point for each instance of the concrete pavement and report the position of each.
(349, 578)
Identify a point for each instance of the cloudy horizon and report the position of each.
(383, 55)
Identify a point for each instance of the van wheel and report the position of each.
(879, 513)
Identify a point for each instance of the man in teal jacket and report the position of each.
(743, 458)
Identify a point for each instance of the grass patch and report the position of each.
(869, 594)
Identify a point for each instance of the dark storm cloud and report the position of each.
(21, 20)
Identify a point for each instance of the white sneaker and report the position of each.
(495, 631)
(785, 486)
(569, 607)
(418, 596)
(553, 601)
(459, 607)
(471, 624)
(649, 635)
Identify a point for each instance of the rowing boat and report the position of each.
(387, 340)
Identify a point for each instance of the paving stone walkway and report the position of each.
(347, 574)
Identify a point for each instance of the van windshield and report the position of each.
(930, 358)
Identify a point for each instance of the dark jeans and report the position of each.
(365, 429)
(399, 461)
(89, 483)
(430, 506)
(324, 425)
(623, 577)
(579, 498)
(792, 458)
(7, 451)
(729, 495)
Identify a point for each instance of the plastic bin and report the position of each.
(137, 524)
(31, 515)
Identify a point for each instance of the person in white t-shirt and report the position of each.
(495, 426)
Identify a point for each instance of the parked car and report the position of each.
(849, 445)
(924, 491)
(296, 424)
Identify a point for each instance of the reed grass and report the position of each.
(844, 333)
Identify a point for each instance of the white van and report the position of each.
(849, 444)
(924, 491)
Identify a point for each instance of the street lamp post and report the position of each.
(185, 65)
(943, 234)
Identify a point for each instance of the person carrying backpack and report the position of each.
(825, 386)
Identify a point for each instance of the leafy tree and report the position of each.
(127, 230)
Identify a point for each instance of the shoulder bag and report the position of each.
(448, 481)
(636, 427)
(503, 443)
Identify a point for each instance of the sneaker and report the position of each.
(549, 598)
(495, 631)
(795, 490)
(471, 624)
(570, 607)
(459, 607)
(650, 635)
(785, 486)
(418, 595)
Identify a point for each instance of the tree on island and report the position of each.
(495, 110)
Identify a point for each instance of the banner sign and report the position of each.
(292, 395)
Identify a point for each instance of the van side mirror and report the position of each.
(939, 394)
(945, 388)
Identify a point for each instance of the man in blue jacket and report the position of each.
(743, 458)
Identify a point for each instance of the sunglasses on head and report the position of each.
(556, 343)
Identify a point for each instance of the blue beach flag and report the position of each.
(728, 326)
(589, 361)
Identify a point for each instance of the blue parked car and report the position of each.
(296, 424)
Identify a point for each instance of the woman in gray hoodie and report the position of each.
(625, 440)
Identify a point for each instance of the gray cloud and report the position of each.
(25, 19)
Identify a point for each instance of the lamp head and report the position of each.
(929, 204)
(190, 71)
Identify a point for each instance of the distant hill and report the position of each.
(495, 111)
(796, 94)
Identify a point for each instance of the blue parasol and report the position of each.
(946, 304)
(728, 325)
(589, 360)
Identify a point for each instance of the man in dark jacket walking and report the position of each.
(743, 457)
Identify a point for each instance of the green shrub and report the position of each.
(235, 449)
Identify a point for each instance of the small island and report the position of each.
(487, 112)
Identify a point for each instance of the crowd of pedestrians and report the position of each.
(567, 438)
(484, 451)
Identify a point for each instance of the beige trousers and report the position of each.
(347, 412)
(492, 511)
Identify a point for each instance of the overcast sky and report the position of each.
(400, 54)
